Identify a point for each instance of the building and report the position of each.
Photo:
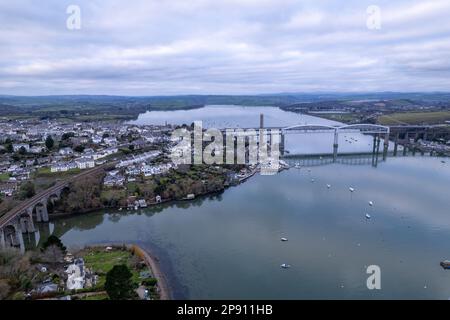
(67, 151)
(85, 163)
(76, 275)
(18, 146)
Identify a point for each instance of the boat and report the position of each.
(351, 189)
(445, 264)
(368, 216)
(370, 203)
(285, 266)
(284, 239)
(328, 186)
(312, 180)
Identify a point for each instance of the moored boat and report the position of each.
(445, 264)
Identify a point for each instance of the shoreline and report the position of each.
(153, 263)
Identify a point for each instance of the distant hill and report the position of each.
(122, 107)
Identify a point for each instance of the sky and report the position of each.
(169, 47)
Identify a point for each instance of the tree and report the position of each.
(79, 148)
(9, 147)
(118, 283)
(49, 143)
(67, 135)
(54, 241)
(27, 190)
(53, 254)
(22, 151)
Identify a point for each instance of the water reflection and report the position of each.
(228, 245)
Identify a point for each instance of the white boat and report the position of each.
(370, 203)
(285, 266)
(328, 186)
(312, 180)
(284, 239)
(351, 189)
(368, 216)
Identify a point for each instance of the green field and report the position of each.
(436, 117)
(102, 261)
(4, 177)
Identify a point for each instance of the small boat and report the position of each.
(351, 189)
(370, 203)
(285, 266)
(368, 216)
(284, 239)
(312, 180)
(445, 264)
(328, 186)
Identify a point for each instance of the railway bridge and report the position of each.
(21, 219)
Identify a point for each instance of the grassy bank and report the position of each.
(412, 118)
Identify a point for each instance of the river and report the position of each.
(228, 245)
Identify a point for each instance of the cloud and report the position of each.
(150, 47)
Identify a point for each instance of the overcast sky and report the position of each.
(161, 47)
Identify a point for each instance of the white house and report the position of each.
(67, 151)
(18, 146)
(110, 141)
(85, 163)
(76, 275)
(96, 139)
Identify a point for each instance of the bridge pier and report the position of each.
(335, 145)
(11, 236)
(19, 237)
(385, 146)
(26, 222)
(2, 239)
(282, 144)
(396, 143)
(41, 211)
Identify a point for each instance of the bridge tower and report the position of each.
(335, 144)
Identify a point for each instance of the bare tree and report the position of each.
(53, 255)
